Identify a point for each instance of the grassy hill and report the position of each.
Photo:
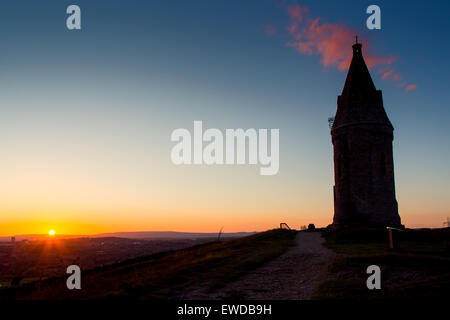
(418, 267)
(165, 275)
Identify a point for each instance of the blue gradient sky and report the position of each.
(86, 116)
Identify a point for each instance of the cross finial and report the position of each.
(356, 39)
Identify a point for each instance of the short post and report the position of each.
(391, 243)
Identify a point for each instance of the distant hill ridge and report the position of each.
(137, 235)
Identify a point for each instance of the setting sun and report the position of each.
(51, 232)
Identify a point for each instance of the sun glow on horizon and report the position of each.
(51, 232)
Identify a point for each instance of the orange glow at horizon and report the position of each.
(187, 220)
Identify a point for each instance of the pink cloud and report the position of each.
(411, 87)
(332, 42)
(387, 74)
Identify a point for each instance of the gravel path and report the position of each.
(293, 276)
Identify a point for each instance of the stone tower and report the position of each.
(362, 135)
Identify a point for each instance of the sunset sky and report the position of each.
(86, 116)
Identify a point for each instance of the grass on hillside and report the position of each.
(166, 275)
(418, 266)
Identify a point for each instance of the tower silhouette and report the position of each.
(362, 135)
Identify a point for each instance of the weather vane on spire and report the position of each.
(356, 39)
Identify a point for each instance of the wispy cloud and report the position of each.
(387, 74)
(331, 41)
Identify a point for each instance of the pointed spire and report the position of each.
(360, 101)
(359, 81)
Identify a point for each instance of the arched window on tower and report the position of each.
(383, 164)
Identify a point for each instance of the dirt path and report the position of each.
(293, 276)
